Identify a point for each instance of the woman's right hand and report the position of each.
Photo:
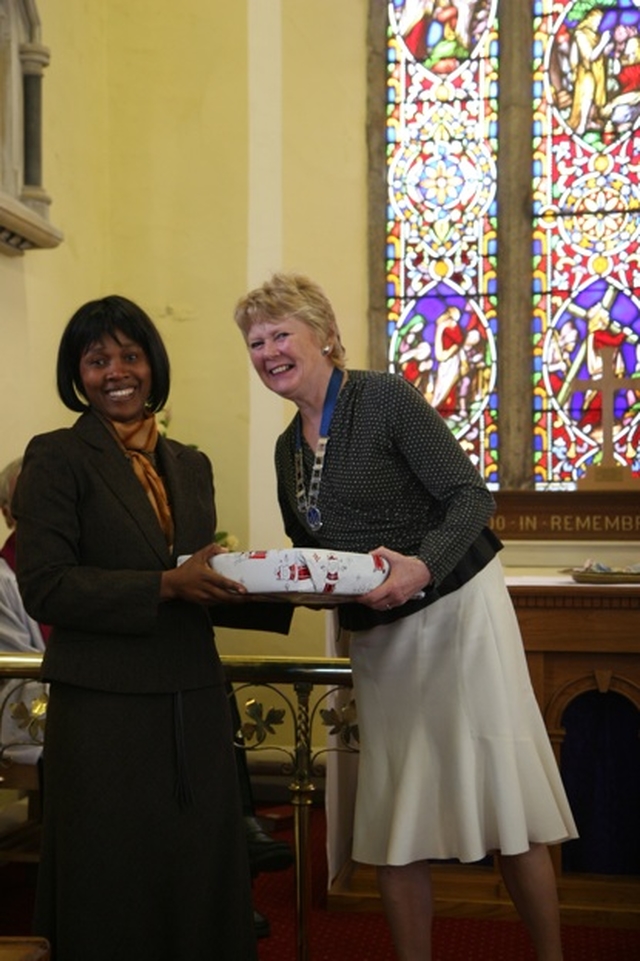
(408, 577)
(196, 581)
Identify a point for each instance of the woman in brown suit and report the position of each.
(144, 855)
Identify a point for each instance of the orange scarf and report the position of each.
(139, 441)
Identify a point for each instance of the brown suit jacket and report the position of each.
(90, 557)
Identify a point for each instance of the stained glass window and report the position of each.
(442, 272)
(586, 332)
(441, 247)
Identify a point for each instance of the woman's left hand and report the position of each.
(407, 577)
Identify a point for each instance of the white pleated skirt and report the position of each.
(455, 760)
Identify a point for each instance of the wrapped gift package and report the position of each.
(309, 572)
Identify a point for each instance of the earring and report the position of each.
(326, 350)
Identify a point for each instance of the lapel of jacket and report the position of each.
(178, 490)
(191, 495)
(108, 460)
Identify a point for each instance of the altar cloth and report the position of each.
(561, 579)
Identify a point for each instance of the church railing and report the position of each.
(258, 722)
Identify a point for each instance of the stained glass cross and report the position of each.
(607, 385)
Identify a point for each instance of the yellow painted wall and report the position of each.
(180, 179)
(39, 290)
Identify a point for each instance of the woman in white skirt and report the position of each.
(455, 760)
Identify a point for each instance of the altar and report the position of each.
(578, 638)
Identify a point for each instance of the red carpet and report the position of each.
(337, 936)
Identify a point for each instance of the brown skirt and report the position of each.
(144, 855)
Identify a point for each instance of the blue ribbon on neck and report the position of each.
(328, 407)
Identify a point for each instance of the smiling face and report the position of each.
(287, 355)
(116, 378)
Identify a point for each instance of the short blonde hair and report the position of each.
(292, 295)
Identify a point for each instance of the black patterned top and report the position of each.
(394, 475)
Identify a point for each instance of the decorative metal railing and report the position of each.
(300, 763)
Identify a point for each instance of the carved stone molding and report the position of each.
(21, 229)
(24, 203)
